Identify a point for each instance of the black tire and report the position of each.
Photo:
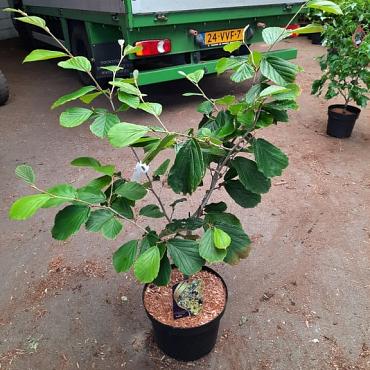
(80, 47)
(4, 89)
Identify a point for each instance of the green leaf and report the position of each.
(69, 220)
(100, 182)
(206, 107)
(129, 49)
(12, 10)
(191, 94)
(221, 239)
(188, 170)
(111, 229)
(246, 118)
(103, 123)
(215, 207)
(278, 70)
(124, 257)
(73, 96)
(277, 115)
(131, 190)
(123, 207)
(270, 159)
(73, 117)
(149, 240)
(152, 108)
(239, 247)
(241, 195)
(164, 274)
(25, 173)
(146, 267)
(104, 220)
(161, 170)
(225, 122)
(225, 64)
(226, 100)
(39, 54)
(272, 35)
(292, 94)
(252, 93)
(35, 21)
(194, 77)
(185, 255)
(91, 195)
(126, 87)
(132, 101)
(88, 98)
(27, 206)
(250, 177)
(255, 58)
(151, 210)
(125, 134)
(77, 63)
(63, 193)
(98, 218)
(208, 250)
(325, 6)
(310, 28)
(95, 164)
(273, 90)
(244, 72)
(86, 162)
(167, 142)
(233, 46)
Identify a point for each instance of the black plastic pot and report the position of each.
(187, 344)
(341, 125)
(316, 38)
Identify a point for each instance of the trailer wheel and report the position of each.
(4, 89)
(80, 47)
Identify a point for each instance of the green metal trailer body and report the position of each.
(92, 28)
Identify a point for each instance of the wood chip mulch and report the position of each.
(159, 303)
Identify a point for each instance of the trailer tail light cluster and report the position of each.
(153, 47)
(292, 27)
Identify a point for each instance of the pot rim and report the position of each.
(205, 268)
(354, 109)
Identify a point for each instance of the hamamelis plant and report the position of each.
(345, 66)
(224, 147)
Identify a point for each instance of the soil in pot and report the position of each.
(341, 120)
(191, 337)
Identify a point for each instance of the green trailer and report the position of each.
(175, 35)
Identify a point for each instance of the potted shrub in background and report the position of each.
(184, 299)
(345, 66)
(4, 89)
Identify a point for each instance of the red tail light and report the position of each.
(293, 27)
(153, 47)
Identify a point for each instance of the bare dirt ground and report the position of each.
(300, 301)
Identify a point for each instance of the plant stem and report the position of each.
(159, 200)
(154, 114)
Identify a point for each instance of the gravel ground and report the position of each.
(300, 301)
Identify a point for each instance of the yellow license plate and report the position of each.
(223, 37)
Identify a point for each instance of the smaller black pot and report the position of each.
(187, 344)
(316, 38)
(341, 125)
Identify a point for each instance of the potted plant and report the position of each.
(4, 89)
(345, 66)
(183, 298)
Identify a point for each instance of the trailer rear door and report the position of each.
(150, 6)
